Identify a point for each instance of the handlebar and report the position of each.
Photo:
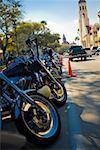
(33, 40)
(33, 36)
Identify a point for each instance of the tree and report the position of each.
(9, 15)
(43, 34)
(64, 39)
(77, 38)
(44, 22)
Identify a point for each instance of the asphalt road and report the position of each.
(84, 114)
(79, 116)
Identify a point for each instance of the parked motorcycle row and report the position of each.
(31, 89)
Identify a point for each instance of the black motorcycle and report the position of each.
(35, 117)
(52, 63)
(43, 75)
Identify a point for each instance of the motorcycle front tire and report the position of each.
(40, 137)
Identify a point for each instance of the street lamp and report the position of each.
(14, 26)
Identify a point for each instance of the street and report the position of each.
(80, 116)
(84, 111)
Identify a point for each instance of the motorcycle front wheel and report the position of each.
(39, 124)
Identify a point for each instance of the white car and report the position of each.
(94, 49)
(98, 51)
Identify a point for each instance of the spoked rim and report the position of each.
(42, 126)
(59, 92)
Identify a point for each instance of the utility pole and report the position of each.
(14, 26)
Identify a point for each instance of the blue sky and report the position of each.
(61, 15)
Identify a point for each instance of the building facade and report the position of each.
(89, 35)
(95, 35)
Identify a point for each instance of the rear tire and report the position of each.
(61, 100)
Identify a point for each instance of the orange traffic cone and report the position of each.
(70, 74)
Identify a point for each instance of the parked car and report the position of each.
(98, 51)
(88, 51)
(93, 49)
(77, 52)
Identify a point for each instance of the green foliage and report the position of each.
(63, 48)
(15, 33)
(77, 38)
(9, 15)
(23, 31)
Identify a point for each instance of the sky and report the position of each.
(61, 15)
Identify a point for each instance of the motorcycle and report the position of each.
(58, 90)
(53, 64)
(34, 115)
(38, 74)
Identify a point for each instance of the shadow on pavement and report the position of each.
(12, 140)
(76, 133)
(81, 134)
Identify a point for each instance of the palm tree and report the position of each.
(43, 22)
(77, 38)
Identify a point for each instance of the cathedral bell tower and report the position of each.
(84, 24)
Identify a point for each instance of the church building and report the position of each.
(89, 34)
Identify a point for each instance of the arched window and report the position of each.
(80, 8)
(83, 7)
(83, 14)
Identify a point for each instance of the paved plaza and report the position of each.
(80, 116)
